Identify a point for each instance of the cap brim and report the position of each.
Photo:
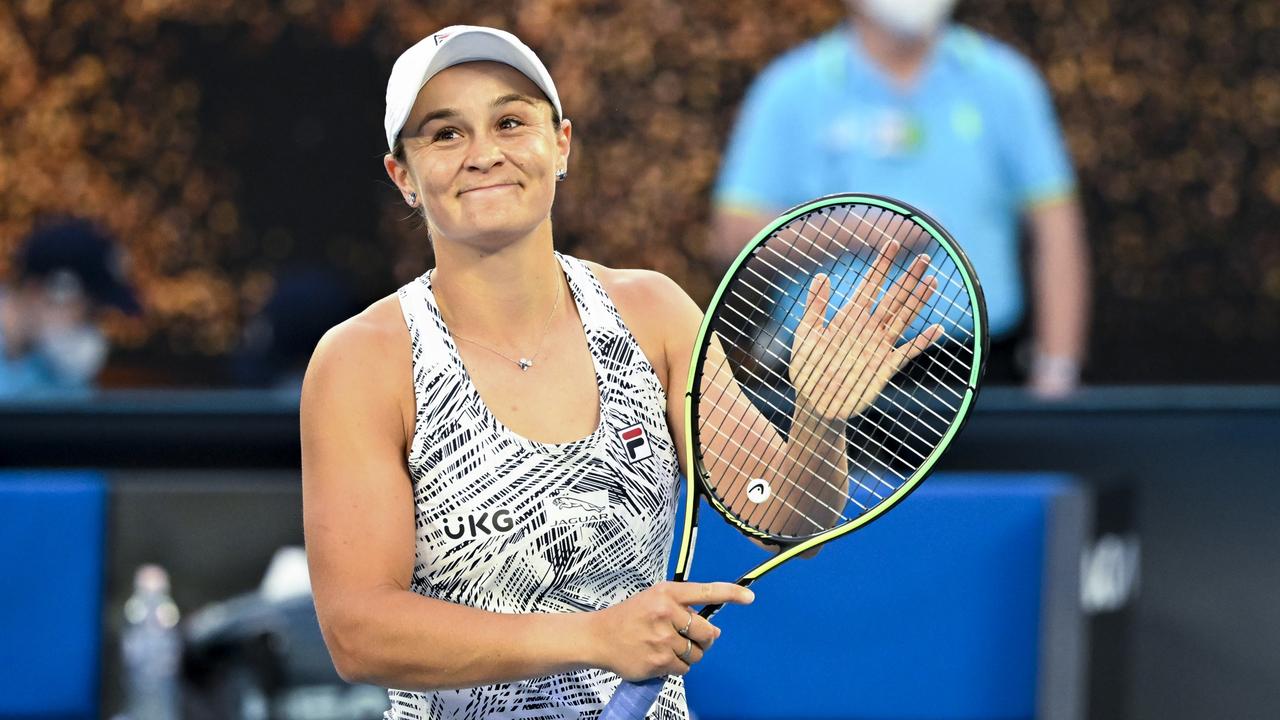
(476, 45)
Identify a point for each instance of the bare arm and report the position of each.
(1060, 271)
(358, 509)
(359, 520)
(814, 445)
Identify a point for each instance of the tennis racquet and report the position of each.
(838, 360)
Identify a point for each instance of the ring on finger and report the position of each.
(685, 630)
(688, 648)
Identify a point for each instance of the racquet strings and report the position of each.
(757, 321)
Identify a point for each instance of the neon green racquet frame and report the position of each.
(696, 471)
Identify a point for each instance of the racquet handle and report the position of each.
(632, 700)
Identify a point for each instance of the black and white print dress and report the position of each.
(509, 525)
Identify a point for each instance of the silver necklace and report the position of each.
(523, 363)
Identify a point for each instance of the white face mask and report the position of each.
(75, 354)
(909, 18)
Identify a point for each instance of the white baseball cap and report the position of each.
(451, 46)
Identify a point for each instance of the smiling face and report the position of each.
(481, 151)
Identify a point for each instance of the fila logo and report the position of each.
(635, 442)
(499, 521)
(439, 38)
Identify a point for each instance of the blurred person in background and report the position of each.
(901, 102)
(66, 272)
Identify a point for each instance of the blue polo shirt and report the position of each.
(974, 143)
(31, 374)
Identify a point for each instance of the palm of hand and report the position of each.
(838, 368)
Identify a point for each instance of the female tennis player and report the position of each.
(489, 470)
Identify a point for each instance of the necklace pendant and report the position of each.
(525, 364)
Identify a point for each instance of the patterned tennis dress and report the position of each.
(506, 524)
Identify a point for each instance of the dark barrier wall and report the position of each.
(1205, 632)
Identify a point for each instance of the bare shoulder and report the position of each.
(653, 305)
(661, 315)
(644, 290)
(364, 338)
(364, 356)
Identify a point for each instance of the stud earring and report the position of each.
(413, 199)
(561, 175)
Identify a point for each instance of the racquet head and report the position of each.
(851, 329)
(839, 358)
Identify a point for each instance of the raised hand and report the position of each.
(838, 368)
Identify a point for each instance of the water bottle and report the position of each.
(152, 648)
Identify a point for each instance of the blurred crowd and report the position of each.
(70, 273)
(67, 273)
(254, 219)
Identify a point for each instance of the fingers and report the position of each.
(914, 304)
(701, 631)
(853, 319)
(900, 304)
(903, 290)
(812, 319)
(690, 646)
(687, 651)
(869, 288)
(656, 632)
(918, 344)
(691, 593)
(815, 304)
